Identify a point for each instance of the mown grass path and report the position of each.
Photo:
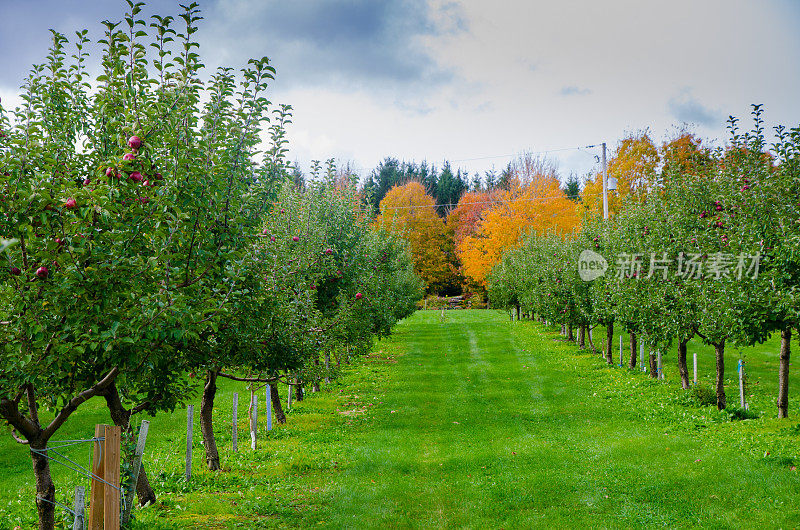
(468, 422)
(489, 423)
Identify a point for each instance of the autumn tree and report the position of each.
(539, 205)
(409, 211)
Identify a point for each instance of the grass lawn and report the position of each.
(474, 421)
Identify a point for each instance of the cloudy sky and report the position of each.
(476, 81)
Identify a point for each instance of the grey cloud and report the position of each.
(24, 35)
(574, 91)
(686, 108)
(349, 43)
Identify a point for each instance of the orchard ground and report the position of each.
(473, 421)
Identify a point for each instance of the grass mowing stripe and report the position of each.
(546, 436)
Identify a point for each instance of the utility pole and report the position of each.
(605, 183)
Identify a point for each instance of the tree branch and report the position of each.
(249, 379)
(75, 402)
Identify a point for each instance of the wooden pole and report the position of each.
(78, 508)
(289, 399)
(189, 422)
(254, 423)
(620, 350)
(235, 432)
(695, 367)
(111, 469)
(137, 468)
(268, 406)
(97, 491)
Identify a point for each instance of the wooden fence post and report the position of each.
(189, 423)
(695, 367)
(105, 495)
(254, 423)
(268, 406)
(235, 433)
(97, 491)
(289, 399)
(620, 351)
(78, 508)
(137, 468)
(111, 469)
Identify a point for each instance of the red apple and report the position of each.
(295, 239)
(329, 251)
(42, 272)
(158, 176)
(15, 271)
(70, 204)
(136, 176)
(359, 296)
(59, 241)
(283, 211)
(272, 238)
(134, 142)
(109, 171)
(128, 156)
(86, 182)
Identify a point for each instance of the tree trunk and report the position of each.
(653, 365)
(280, 417)
(719, 352)
(582, 337)
(682, 368)
(632, 360)
(121, 417)
(610, 343)
(298, 389)
(207, 421)
(45, 490)
(783, 373)
(518, 310)
(591, 344)
(570, 334)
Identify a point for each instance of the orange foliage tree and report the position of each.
(633, 164)
(410, 212)
(538, 205)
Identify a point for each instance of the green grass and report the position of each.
(475, 421)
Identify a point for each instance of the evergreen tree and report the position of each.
(572, 188)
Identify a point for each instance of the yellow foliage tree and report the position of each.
(410, 212)
(634, 165)
(539, 206)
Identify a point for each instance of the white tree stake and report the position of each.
(235, 433)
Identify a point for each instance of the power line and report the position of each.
(545, 151)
